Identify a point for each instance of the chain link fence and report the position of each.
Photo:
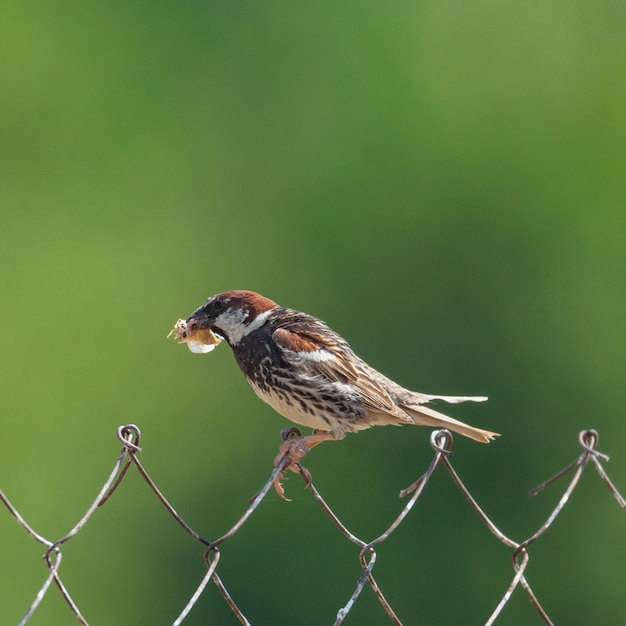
(441, 442)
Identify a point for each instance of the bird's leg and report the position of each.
(295, 446)
(293, 450)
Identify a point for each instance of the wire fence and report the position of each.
(440, 441)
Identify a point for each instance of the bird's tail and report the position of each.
(454, 399)
(425, 416)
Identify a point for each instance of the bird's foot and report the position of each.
(293, 449)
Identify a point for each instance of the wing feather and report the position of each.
(327, 355)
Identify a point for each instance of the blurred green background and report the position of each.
(443, 183)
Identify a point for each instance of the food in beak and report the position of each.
(198, 340)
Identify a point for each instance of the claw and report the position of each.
(290, 453)
(280, 490)
(292, 450)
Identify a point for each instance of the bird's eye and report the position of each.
(219, 305)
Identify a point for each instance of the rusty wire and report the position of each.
(440, 441)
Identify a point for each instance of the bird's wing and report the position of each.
(327, 355)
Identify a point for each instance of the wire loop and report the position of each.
(441, 442)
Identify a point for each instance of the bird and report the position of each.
(309, 374)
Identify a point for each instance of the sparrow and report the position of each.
(309, 374)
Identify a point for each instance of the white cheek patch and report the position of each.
(231, 318)
(233, 323)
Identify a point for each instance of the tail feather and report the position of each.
(425, 416)
(454, 399)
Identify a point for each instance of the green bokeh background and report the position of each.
(443, 183)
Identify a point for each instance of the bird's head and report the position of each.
(232, 315)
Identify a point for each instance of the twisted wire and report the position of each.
(441, 442)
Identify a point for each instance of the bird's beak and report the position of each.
(198, 321)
